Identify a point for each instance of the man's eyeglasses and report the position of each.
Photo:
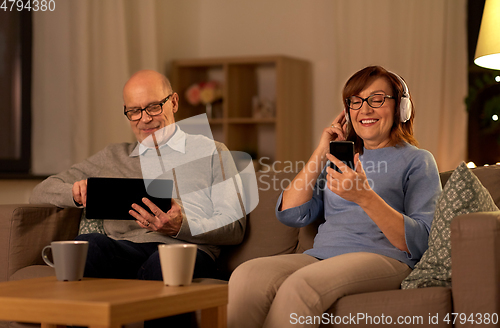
(135, 114)
(374, 101)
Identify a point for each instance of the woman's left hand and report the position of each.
(352, 185)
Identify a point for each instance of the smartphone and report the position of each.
(344, 151)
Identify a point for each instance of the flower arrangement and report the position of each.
(204, 93)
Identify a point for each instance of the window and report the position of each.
(15, 91)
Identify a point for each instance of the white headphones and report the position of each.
(404, 103)
(405, 106)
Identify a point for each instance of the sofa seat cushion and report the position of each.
(264, 235)
(412, 305)
(33, 271)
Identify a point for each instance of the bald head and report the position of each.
(145, 80)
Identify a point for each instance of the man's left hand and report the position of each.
(166, 223)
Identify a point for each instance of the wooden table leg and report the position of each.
(214, 317)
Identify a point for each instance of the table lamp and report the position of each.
(488, 43)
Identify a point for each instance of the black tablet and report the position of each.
(112, 198)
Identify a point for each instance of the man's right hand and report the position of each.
(80, 192)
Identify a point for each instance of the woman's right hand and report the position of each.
(335, 132)
(301, 189)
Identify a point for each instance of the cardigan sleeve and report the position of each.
(422, 188)
(304, 214)
(57, 189)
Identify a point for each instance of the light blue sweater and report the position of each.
(405, 177)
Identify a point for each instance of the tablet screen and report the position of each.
(112, 198)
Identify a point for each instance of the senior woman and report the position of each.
(377, 215)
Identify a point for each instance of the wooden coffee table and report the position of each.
(108, 302)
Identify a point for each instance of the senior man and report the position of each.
(129, 248)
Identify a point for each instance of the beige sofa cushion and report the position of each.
(33, 271)
(28, 228)
(411, 304)
(265, 235)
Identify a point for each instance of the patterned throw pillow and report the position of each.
(90, 225)
(462, 194)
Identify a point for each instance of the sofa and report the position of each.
(475, 238)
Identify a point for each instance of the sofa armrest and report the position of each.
(475, 244)
(26, 228)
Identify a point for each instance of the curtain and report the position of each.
(84, 51)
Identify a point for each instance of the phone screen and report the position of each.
(344, 151)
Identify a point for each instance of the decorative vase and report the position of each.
(208, 108)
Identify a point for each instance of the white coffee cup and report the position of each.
(69, 258)
(177, 263)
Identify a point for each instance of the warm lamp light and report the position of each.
(488, 43)
(471, 165)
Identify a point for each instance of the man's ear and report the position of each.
(175, 102)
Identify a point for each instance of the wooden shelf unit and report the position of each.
(284, 80)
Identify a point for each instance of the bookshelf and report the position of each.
(283, 82)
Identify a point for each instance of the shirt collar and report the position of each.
(177, 142)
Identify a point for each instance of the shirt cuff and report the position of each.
(184, 230)
(416, 238)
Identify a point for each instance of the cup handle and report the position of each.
(45, 257)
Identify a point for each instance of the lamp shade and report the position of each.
(488, 43)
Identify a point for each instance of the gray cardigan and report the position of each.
(124, 160)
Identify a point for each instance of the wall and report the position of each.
(197, 28)
(179, 23)
(79, 71)
(16, 191)
(427, 46)
(292, 28)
